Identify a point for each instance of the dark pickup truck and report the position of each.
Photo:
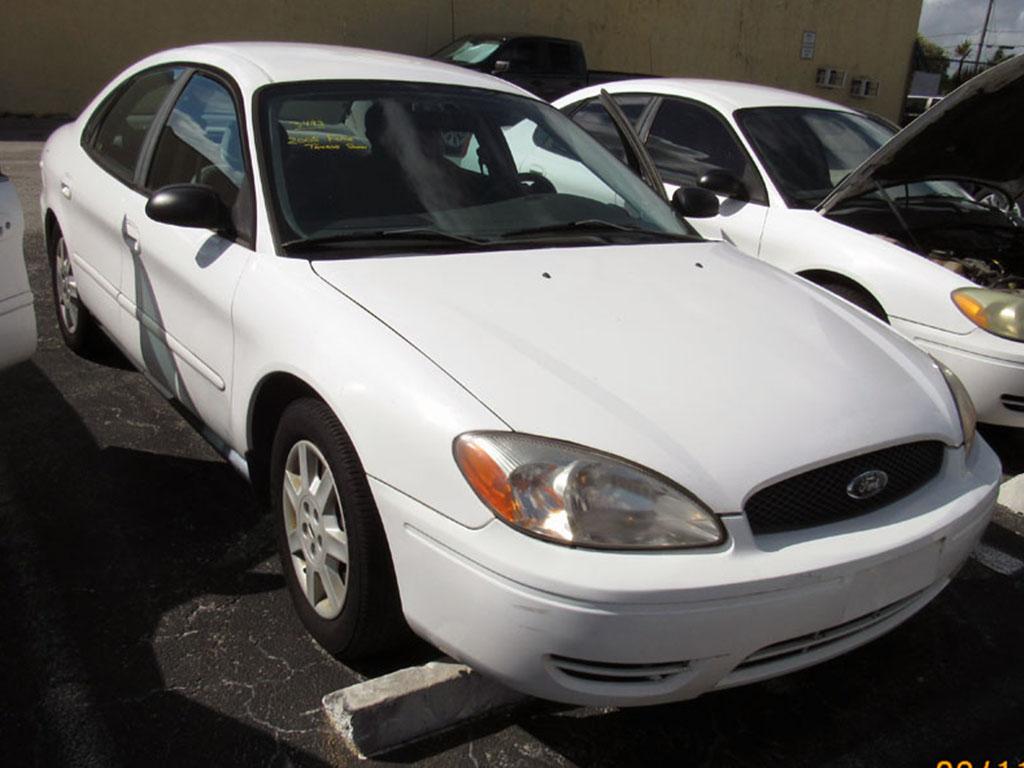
(547, 66)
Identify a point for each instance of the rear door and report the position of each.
(98, 182)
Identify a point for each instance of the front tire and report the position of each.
(75, 323)
(332, 546)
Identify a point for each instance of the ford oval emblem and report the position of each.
(867, 484)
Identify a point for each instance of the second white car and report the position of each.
(826, 192)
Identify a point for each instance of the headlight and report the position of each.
(573, 495)
(964, 404)
(998, 312)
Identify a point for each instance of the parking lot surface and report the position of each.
(146, 621)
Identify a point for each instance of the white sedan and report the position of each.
(17, 316)
(899, 236)
(555, 433)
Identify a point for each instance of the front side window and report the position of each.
(525, 56)
(687, 140)
(808, 151)
(562, 59)
(595, 120)
(118, 138)
(201, 142)
(369, 161)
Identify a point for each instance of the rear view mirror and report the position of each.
(695, 203)
(189, 205)
(723, 183)
(501, 67)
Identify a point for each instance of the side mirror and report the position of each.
(723, 183)
(501, 67)
(189, 205)
(695, 203)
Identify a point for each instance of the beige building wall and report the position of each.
(55, 55)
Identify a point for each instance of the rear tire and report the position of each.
(858, 297)
(75, 323)
(333, 550)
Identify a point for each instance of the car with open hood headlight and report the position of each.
(532, 416)
(919, 228)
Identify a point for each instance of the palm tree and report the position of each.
(962, 51)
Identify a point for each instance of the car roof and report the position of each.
(724, 95)
(278, 62)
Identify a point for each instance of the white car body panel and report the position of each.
(909, 287)
(17, 314)
(588, 377)
(721, 373)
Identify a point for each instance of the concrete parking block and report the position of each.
(1011, 494)
(382, 714)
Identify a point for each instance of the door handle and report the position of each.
(130, 233)
(65, 188)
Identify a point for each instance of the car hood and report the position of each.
(692, 359)
(968, 136)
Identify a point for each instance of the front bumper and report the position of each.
(606, 628)
(992, 368)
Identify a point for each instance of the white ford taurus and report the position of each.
(820, 190)
(555, 432)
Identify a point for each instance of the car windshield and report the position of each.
(808, 151)
(460, 167)
(468, 50)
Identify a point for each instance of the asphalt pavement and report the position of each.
(145, 620)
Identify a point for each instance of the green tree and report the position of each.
(933, 55)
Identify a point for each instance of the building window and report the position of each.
(831, 78)
(862, 87)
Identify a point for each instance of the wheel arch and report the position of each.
(50, 227)
(272, 395)
(824, 277)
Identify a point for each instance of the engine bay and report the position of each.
(981, 243)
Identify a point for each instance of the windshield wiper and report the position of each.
(593, 226)
(418, 234)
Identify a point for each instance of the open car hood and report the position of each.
(971, 135)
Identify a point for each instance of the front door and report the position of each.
(179, 284)
(686, 140)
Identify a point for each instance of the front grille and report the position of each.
(820, 496)
(609, 672)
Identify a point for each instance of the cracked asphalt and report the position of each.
(145, 620)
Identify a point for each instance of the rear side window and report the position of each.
(118, 138)
(201, 142)
(687, 140)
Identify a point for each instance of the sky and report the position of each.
(947, 22)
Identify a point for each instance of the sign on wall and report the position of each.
(807, 46)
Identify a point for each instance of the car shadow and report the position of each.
(107, 555)
(1008, 443)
